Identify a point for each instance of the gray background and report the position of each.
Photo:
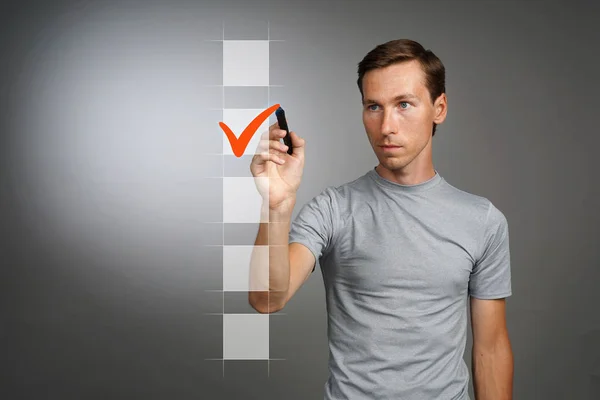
(104, 190)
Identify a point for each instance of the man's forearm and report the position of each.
(272, 271)
(493, 372)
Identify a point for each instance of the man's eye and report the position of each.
(404, 104)
(371, 107)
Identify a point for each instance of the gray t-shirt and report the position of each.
(398, 263)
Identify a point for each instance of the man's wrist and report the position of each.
(279, 213)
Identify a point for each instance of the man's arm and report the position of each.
(289, 265)
(492, 358)
(276, 277)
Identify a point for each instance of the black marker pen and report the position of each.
(287, 140)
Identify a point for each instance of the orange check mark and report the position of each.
(238, 145)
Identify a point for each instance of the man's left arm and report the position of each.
(492, 358)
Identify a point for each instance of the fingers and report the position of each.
(265, 156)
(275, 133)
(298, 145)
(275, 145)
(271, 140)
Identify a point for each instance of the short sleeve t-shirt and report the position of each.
(399, 263)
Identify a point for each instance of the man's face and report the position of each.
(398, 111)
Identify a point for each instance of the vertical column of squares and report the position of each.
(245, 91)
(246, 83)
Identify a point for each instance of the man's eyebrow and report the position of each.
(403, 96)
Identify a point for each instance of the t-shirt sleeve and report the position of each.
(315, 224)
(491, 274)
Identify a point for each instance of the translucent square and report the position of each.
(245, 336)
(240, 234)
(238, 272)
(237, 119)
(236, 303)
(246, 63)
(238, 167)
(242, 202)
(246, 97)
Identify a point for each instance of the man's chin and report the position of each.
(391, 163)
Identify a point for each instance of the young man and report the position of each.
(400, 249)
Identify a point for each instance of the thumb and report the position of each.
(297, 144)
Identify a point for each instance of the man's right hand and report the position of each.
(284, 171)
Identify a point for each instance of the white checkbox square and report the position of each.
(246, 63)
(242, 202)
(245, 336)
(237, 120)
(245, 268)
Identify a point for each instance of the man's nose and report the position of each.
(389, 125)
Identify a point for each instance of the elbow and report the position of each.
(267, 310)
(499, 345)
(497, 354)
(262, 306)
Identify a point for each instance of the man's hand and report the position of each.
(282, 172)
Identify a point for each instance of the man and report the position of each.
(400, 249)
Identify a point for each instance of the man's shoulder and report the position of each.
(464, 196)
(349, 191)
(477, 205)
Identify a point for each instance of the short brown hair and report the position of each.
(401, 50)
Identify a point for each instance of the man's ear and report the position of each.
(440, 109)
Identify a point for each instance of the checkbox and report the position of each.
(242, 202)
(237, 119)
(238, 167)
(245, 337)
(238, 273)
(246, 63)
(236, 303)
(239, 234)
(246, 97)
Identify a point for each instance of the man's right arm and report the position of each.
(289, 265)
